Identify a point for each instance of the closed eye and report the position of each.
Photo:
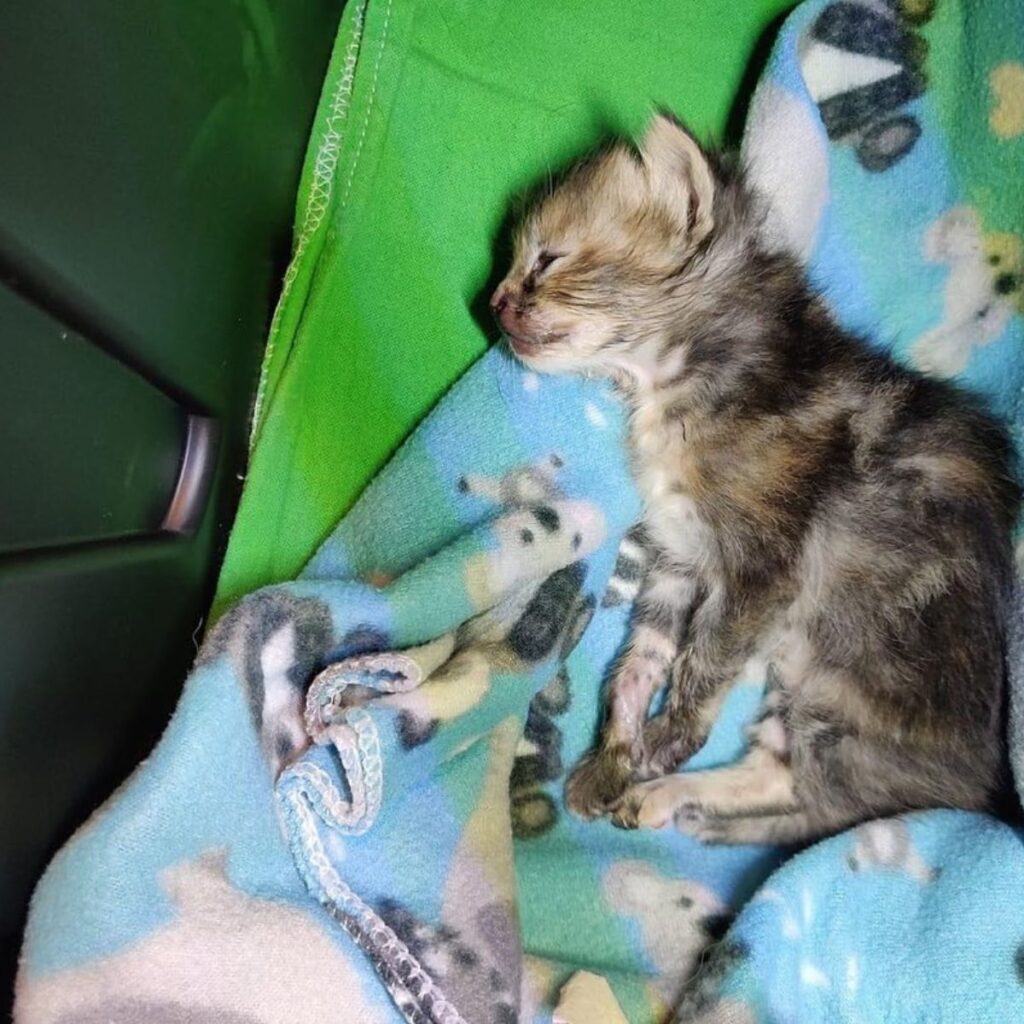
(543, 261)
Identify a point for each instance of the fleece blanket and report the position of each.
(355, 813)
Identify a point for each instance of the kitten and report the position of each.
(808, 500)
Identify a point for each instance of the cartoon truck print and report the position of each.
(863, 63)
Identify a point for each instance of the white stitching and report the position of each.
(388, 672)
(407, 976)
(358, 746)
(369, 106)
(319, 197)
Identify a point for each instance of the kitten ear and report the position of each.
(680, 173)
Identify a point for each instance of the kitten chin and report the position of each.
(807, 501)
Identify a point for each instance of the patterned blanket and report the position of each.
(355, 814)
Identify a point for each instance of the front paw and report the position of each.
(666, 745)
(652, 804)
(598, 782)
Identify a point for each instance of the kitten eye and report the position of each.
(543, 261)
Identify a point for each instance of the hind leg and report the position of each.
(764, 829)
(758, 784)
(755, 830)
(761, 785)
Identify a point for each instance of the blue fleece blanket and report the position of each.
(355, 814)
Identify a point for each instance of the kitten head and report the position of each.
(598, 259)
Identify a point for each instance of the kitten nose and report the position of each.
(499, 300)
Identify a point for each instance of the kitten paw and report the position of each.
(665, 746)
(651, 804)
(597, 783)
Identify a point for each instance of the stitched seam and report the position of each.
(320, 190)
(401, 971)
(358, 745)
(369, 106)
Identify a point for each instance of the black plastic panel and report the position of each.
(90, 450)
(151, 153)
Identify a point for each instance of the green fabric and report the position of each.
(434, 117)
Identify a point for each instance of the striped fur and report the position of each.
(807, 501)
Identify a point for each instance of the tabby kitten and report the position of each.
(808, 501)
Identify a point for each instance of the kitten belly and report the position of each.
(660, 455)
(676, 528)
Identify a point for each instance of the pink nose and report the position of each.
(499, 300)
(506, 309)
